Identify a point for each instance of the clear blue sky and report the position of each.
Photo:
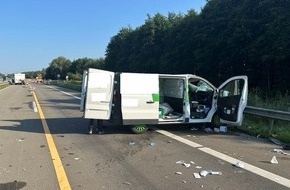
(34, 32)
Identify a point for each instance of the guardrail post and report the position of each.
(271, 123)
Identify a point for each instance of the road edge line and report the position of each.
(59, 169)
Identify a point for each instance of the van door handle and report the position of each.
(150, 102)
(104, 101)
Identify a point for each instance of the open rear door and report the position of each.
(140, 98)
(99, 94)
(84, 90)
(232, 100)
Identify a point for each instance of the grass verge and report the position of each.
(4, 85)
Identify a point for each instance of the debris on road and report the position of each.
(178, 173)
(216, 130)
(20, 140)
(152, 144)
(223, 128)
(179, 162)
(196, 175)
(240, 164)
(186, 165)
(131, 143)
(127, 183)
(208, 130)
(286, 147)
(274, 160)
(276, 141)
(281, 151)
(214, 172)
(198, 167)
(204, 173)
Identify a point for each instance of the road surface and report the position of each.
(47, 147)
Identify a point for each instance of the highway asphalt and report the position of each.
(42, 151)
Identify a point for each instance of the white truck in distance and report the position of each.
(18, 78)
(142, 99)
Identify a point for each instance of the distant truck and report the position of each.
(19, 78)
(141, 99)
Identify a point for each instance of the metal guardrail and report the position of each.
(268, 113)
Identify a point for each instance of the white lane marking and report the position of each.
(34, 106)
(263, 173)
(65, 93)
(249, 167)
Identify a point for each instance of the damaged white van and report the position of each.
(142, 99)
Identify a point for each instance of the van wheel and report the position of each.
(138, 129)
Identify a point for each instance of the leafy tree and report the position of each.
(58, 67)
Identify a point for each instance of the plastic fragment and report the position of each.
(127, 183)
(203, 173)
(281, 151)
(178, 173)
(186, 165)
(208, 130)
(152, 144)
(183, 181)
(131, 143)
(223, 129)
(240, 164)
(198, 167)
(216, 130)
(274, 160)
(215, 172)
(179, 162)
(207, 172)
(196, 175)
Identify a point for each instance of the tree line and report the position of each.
(227, 38)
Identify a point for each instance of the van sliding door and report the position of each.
(139, 98)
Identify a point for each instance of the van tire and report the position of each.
(138, 129)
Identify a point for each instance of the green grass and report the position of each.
(74, 85)
(2, 86)
(254, 125)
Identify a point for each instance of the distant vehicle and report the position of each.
(141, 99)
(19, 78)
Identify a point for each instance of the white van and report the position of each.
(142, 99)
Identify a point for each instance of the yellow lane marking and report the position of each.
(60, 172)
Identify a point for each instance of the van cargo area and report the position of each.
(175, 99)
